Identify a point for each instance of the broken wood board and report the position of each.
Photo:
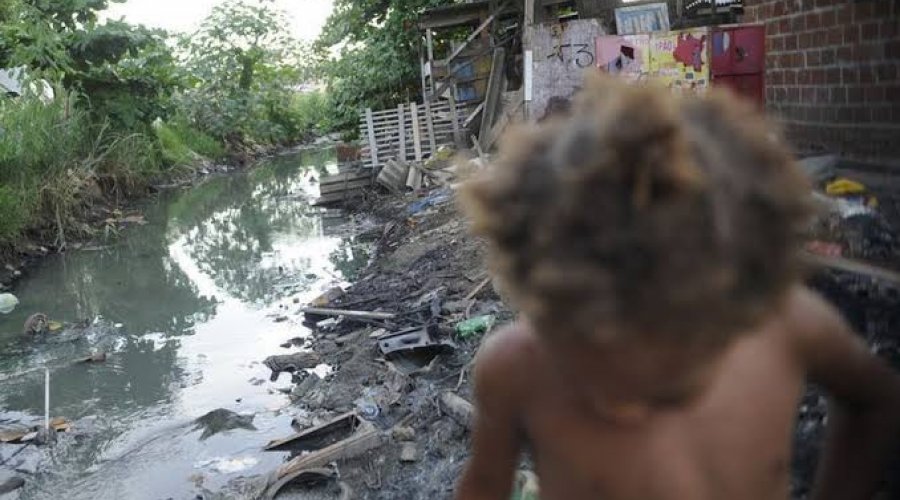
(321, 311)
(393, 176)
(357, 444)
(320, 436)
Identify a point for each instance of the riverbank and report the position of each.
(429, 274)
(107, 212)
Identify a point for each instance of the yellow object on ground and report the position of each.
(843, 186)
(54, 326)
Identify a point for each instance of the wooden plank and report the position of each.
(429, 124)
(417, 133)
(346, 313)
(373, 146)
(344, 186)
(401, 148)
(487, 22)
(471, 118)
(492, 99)
(342, 178)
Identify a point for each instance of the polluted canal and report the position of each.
(186, 302)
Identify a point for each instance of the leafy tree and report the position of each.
(378, 65)
(243, 65)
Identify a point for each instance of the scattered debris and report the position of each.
(476, 325)
(408, 452)
(320, 436)
(458, 409)
(412, 350)
(8, 303)
(365, 439)
(291, 363)
(309, 478)
(222, 420)
(331, 295)
(843, 187)
(403, 433)
(94, 358)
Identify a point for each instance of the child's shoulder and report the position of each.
(508, 358)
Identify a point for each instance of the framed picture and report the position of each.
(645, 18)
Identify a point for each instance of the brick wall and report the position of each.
(833, 74)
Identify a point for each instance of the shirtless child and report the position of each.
(650, 244)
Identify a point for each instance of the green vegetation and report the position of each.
(132, 108)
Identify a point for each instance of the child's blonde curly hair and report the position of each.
(643, 213)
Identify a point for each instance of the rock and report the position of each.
(409, 453)
(304, 387)
(11, 484)
(404, 433)
(291, 363)
(327, 347)
(222, 420)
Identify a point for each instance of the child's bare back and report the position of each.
(728, 438)
(665, 339)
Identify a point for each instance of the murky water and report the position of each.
(189, 304)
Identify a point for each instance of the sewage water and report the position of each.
(187, 306)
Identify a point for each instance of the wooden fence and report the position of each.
(410, 132)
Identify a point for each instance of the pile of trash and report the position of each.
(394, 411)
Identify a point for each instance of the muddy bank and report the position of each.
(430, 274)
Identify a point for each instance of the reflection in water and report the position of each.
(195, 292)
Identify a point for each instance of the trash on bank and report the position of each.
(221, 420)
(412, 350)
(458, 409)
(843, 187)
(310, 478)
(8, 303)
(26, 435)
(94, 358)
(408, 452)
(476, 325)
(328, 297)
(345, 313)
(320, 436)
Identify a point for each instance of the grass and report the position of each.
(183, 145)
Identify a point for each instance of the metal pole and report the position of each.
(47, 398)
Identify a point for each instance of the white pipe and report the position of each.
(47, 398)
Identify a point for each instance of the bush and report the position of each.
(183, 145)
(14, 214)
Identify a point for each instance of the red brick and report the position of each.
(803, 77)
(790, 77)
(822, 95)
(793, 94)
(854, 94)
(868, 52)
(844, 12)
(828, 57)
(813, 58)
(776, 77)
(784, 25)
(828, 18)
(797, 24)
(881, 114)
(829, 113)
(862, 114)
(866, 75)
(890, 28)
(772, 29)
(835, 35)
(796, 60)
(838, 95)
(883, 8)
(777, 9)
(791, 42)
(892, 49)
(750, 13)
(807, 94)
(820, 38)
(770, 94)
(813, 21)
(863, 10)
(870, 30)
(851, 33)
(833, 76)
(844, 115)
(817, 77)
(781, 94)
(874, 93)
(886, 72)
(844, 54)
(892, 93)
(805, 40)
(849, 76)
(775, 43)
